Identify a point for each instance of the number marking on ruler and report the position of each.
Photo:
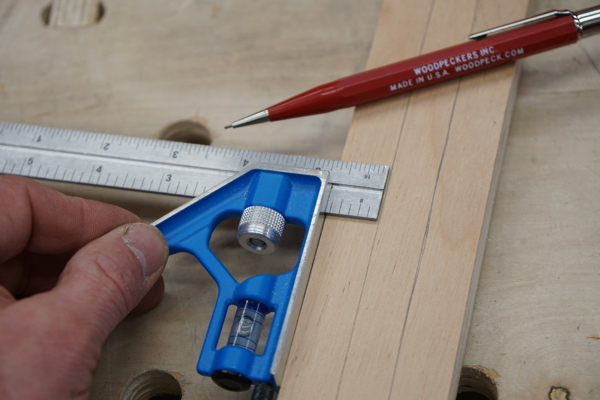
(175, 168)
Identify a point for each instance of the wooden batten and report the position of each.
(388, 305)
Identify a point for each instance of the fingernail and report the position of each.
(148, 245)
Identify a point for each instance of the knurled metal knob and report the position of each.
(260, 229)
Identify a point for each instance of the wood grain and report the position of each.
(389, 303)
(146, 65)
(535, 323)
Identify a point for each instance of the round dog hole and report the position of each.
(152, 385)
(187, 131)
(475, 384)
(47, 15)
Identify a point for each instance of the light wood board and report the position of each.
(389, 303)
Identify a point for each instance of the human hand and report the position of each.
(70, 271)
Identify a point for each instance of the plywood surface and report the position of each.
(535, 324)
(146, 65)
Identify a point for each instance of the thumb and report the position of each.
(56, 336)
(107, 278)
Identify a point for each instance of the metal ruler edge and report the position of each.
(168, 167)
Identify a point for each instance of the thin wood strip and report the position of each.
(388, 304)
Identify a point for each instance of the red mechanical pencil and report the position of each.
(488, 49)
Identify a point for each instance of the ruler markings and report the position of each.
(22, 166)
(146, 160)
(91, 174)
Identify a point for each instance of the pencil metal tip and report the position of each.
(256, 118)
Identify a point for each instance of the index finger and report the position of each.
(38, 219)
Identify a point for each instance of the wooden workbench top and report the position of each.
(147, 65)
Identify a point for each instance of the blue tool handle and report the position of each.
(189, 228)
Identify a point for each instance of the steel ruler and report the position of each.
(167, 167)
